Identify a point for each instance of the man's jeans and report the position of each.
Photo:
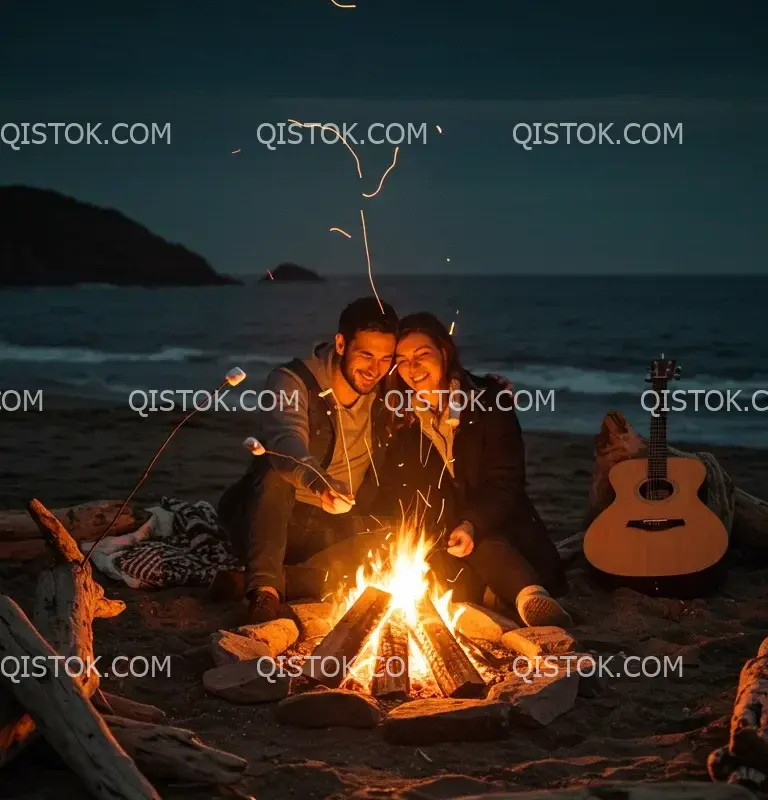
(298, 549)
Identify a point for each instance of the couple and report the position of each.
(297, 532)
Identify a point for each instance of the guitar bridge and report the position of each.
(656, 524)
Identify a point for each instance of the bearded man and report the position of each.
(329, 428)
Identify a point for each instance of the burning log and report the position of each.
(454, 672)
(393, 651)
(749, 722)
(336, 653)
(60, 708)
(67, 601)
(175, 754)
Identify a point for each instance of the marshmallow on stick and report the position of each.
(258, 449)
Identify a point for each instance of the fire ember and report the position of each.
(394, 631)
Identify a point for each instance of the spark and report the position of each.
(426, 502)
(368, 259)
(439, 129)
(442, 508)
(383, 177)
(271, 276)
(453, 328)
(342, 5)
(341, 430)
(343, 233)
(441, 474)
(449, 580)
(340, 135)
(377, 520)
(370, 455)
(239, 150)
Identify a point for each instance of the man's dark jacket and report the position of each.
(322, 441)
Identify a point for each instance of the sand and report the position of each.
(642, 728)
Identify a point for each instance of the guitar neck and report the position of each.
(657, 444)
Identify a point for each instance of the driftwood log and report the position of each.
(60, 708)
(58, 696)
(175, 754)
(455, 674)
(391, 671)
(744, 516)
(334, 656)
(21, 540)
(67, 601)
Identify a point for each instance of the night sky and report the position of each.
(217, 70)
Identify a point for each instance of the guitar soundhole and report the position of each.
(658, 489)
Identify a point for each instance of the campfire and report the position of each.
(394, 631)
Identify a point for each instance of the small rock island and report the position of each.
(287, 272)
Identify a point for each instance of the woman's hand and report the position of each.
(461, 542)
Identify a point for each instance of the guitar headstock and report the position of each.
(663, 369)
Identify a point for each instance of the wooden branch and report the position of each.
(744, 516)
(391, 676)
(749, 721)
(724, 767)
(84, 522)
(112, 704)
(175, 754)
(336, 653)
(65, 716)
(67, 601)
(454, 672)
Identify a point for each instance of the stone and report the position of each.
(332, 708)
(478, 622)
(247, 682)
(537, 642)
(538, 699)
(231, 648)
(426, 722)
(314, 619)
(278, 634)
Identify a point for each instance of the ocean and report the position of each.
(587, 340)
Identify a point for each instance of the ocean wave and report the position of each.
(576, 380)
(85, 355)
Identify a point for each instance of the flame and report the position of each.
(401, 568)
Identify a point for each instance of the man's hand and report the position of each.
(337, 500)
(461, 542)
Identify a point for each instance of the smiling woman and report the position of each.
(496, 539)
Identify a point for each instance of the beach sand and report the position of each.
(639, 729)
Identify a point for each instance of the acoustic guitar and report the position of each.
(658, 536)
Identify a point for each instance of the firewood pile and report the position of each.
(116, 746)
